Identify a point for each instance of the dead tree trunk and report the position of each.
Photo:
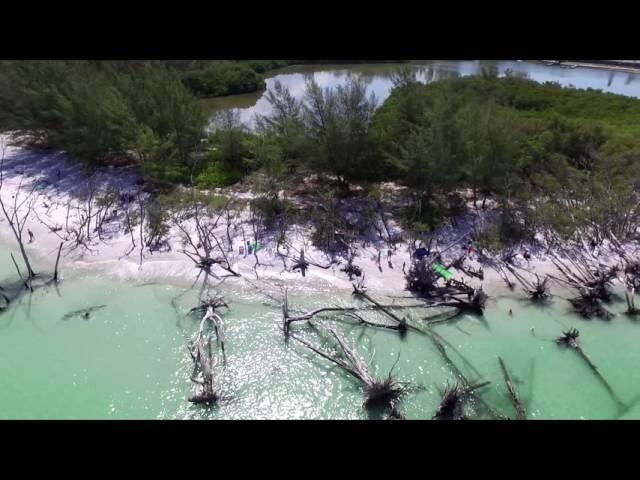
(589, 280)
(378, 393)
(461, 377)
(17, 224)
(521, 413)
(348, 312)
(538, 291)
(202, 356)
(142, 215)
(570, 339)
(199, 247)
(459, 264)
(631, 304)
(302, 264)
(452, 404)
(402, 322)
(55, 270)
(208, 306)
(27, 285)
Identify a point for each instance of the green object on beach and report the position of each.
(444, 273)
(256, 246)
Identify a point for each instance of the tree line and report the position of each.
(552, 157)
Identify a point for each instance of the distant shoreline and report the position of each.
(600, 66)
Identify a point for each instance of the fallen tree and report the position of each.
(590, 280)
(402, 322)
(17, 216)
(453, 401)
(521, 413)
(202, 355)
(589, 307)
(569, 339)
(201, 244)
(632, 310)
(379, 393)
(460, 264)
(84, 313)
(632, 273)
(537, 291)
(349, 313)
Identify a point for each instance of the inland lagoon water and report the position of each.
(129, 359)
(378, 79)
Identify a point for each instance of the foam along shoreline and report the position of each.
(54, 208)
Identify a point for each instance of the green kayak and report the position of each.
(444, 273)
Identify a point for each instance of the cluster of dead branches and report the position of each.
(17, 214)
(521, 413)
(423, 280)
(201, 351)
(537, 291)
(632, 310)
(460, 264)
(591, 282)
(387, 389)
(569, 339)
(201, 244)
(454, 398)
(632, 273)
(379, 393)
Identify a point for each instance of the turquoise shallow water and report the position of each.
(129, 359)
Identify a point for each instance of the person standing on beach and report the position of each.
(31, 237)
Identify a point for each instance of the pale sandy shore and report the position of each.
(108, 256)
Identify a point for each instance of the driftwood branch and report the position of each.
(452, 404)
(26, 285)
(55, 270)
(378, 393)
(521, 413)
(202, 356)
(570, 339)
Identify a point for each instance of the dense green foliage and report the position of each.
(97, 113)
(574, 152)
(224, 79)
(554, 158)
(551, 157)
(211, 78)
(327, 131)
(214, 78)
